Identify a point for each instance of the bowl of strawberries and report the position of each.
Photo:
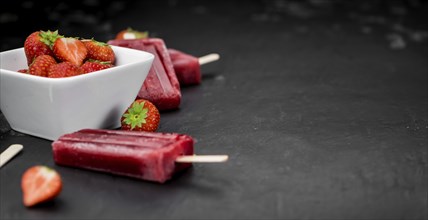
(56, 84)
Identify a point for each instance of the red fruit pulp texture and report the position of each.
(71, 50)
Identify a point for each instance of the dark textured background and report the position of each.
(321, 105)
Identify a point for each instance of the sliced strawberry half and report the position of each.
(40, 184)
(70, 49)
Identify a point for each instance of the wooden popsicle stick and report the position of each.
(208, 58)
(9, 153)
(202, 159)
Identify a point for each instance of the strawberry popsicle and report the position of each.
(144, 155)
(187, 67)
(161, 86)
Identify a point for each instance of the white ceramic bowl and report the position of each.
(48, 107)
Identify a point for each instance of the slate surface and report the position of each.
(322, 108)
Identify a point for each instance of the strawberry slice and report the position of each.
(70, 49)
(40, 184)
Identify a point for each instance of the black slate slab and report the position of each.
(321, 106)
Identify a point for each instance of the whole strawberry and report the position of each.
(95, 65)
(130, 33)
(64, 69)
(40, 65)
(142, 115)
(99, 51)
(70, 49)
(39, 43)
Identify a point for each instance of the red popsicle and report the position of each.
(144, 155)
(188, 67)
(161, 86)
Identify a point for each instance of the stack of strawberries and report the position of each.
(50, 54)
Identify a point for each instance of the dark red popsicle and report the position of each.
(186, 67)
(144, 155)
(161, 86)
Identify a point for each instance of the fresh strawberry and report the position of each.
(70, 49)
(99, 51)
(64, 69)
(142, 115)
(40, 184)
(130, 33)
(95, 65)
(23, 71)
(39, 43)
(40, 65)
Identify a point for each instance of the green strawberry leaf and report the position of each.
(136, 115)
(49, 37)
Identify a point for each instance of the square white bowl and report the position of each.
(49, 107)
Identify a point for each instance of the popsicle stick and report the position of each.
(202, 159)
(208, 58)
(9, 153)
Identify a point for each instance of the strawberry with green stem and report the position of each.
(99, 50)
(39, 43)
(142, 115)
(130, 33)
